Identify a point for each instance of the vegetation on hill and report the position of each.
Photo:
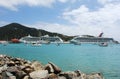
(15, 30)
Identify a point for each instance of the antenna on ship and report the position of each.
(101, 34)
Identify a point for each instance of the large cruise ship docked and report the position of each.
(91, 39)
(42, 39)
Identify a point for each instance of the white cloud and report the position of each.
(65, 29)
(63, 1)
(82, 15)
(54, 27)
(106, 19)
(108, 1)
(13, 4)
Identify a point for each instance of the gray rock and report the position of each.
(20, 74)
(4, 75)
(53, 76)
(95, 76)
(73, 75)
(3, 68)
(37, 66)
(12, 77)
(28, 69)
(7, 75)
(16, 72)
(0, 76)
(12, 69)
(62, 77)
(11, 63)
(2, 62)
(26, 77)
(39, 74)
(52, 68)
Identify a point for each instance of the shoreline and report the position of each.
(18, 68)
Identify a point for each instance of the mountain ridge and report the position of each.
(16, 30)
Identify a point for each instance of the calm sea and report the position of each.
(86, 57)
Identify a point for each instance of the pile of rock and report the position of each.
(17, 68)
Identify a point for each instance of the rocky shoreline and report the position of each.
(17, 68)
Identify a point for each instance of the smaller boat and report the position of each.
(75, 43)
(36, 44)
(103, 44)
(14, 40)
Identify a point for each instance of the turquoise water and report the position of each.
(86, 57)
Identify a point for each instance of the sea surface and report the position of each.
(85, 57)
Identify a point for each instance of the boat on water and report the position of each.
(75, 42)
(15, 40)
(103, 44)
(36, 44)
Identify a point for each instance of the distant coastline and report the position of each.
(16, 30)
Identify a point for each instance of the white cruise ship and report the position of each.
(29, 39)
(42, 39)
(91, 39)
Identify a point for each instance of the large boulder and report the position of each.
(0, 76)
(95, 76)
(28, 69)
(26, 77)
(2, 62)
(37, 66)
(17, 72)
(72, 75)
(10, 63)
(52, 68)
(2, 68)
(7, 75)
(53, 76)
(40, 74)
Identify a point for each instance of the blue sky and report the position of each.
(69, 17)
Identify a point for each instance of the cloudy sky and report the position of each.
(69, 17)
